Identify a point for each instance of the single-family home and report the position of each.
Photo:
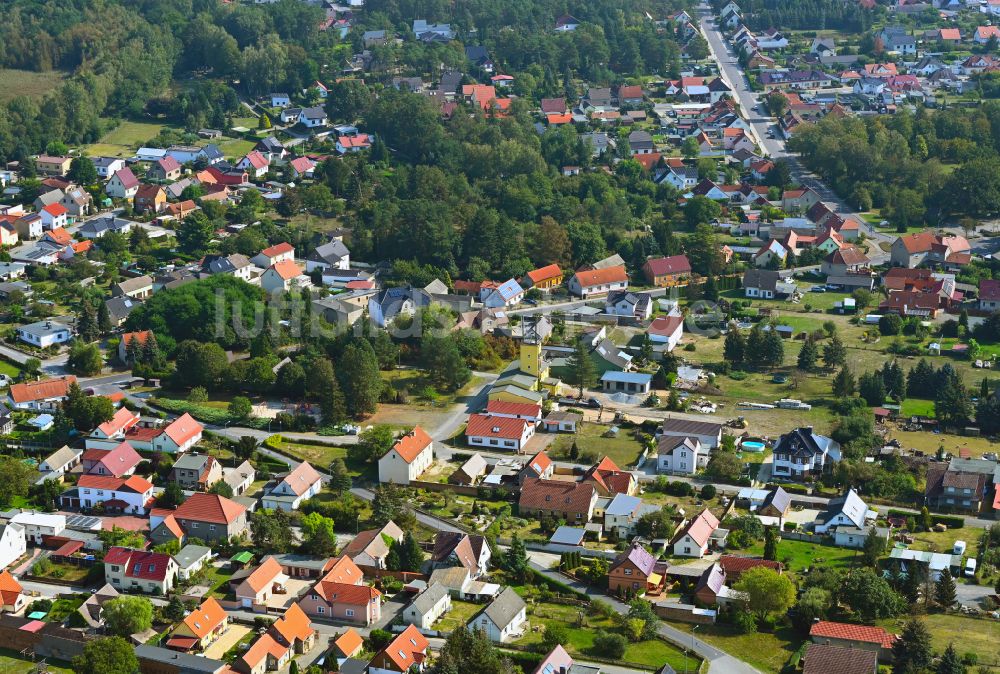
(191, 559)
(13, 543)
(149, 199)
(44, 334)
(407, 459)
(369, 549)
(803, 454)
(680, 455)
(503, 619)
(428, 606)
(39, 526)
(609, 479)
(776, 504)
(507, 433)
(92, 610)
(166, 169)
(196, 472)
(272, 255)
(867, 638)
(301, 483)
(12, 599)
(200, 628)
(283, 277)
(331, 255)
(506, 294)
(112, 432)
(107, 166)
(117, 461)
(122, 185)
(588, 283)
(701, 533)
(621, 514)
(129, 570)
(633, 572)
(177, 437)
(628, 304)
(97, 227)
(664, 272)
(406, 653)
(540, 466)
(573, 502)
(761, 283)
(209, 517)
(130, 495)
(261, 584)
(61, 461)
(544, 278)
(137, 288)
(342, 595)
(667, 330)
(989, 295)
(848, 510)
(708, 433)
(44, 395)
(459, 549)
(255, 164)
(470, 472)
(54, 216)
(561, 421)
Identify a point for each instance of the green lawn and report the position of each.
(582, 627)
(12, 662)
(9, 369)
(27, 83)
(124, 139)
(319, 456)
(916, 407)
(800, 555)
(969, 635)
(236, 148)
(62, 608)
(624, 449)
(460, 614)
(767, 651)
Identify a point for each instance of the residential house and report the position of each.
(628, 382)
(191, 559)
(776, 504)
(12, 598)
(771, 254)
(736, 565)
(588, 283)
(28, 226)
(370, 548)
(985, 33)
(130, 495)
(667, 330)
(407, 459)
(13, 544)
(822, 659)
(149, 199)
(255, 164)
(540, 466)
(91, 611)
(664, 272)
(633, 572)
(166, 169)
(544, 278)
(122, 185)
(696, 538)
(926, 247)
(280, 252)
(53, 165)
(261, 584)
(140, 571)
(138, 288)
(283, 277)
(97, 227)
(118, 461)
(470, 472)
(196, 472)
(132, 340)
(61, 461)
(989, 296)
(850, 636)
(44, 334)
(406, 653)
(112, 432)
(760, 283)
(531, 412)
(428, 606)
(77, 202)
(561, 421)
(177, 437)
(570, 501)
(470, 551)
(621, 514)
(342, 595)
(39, 526)
(802, 454)
(240, 478)
(844, 261)
(53, 216)
(897, 39)
(390, 303)
(209, 517)
(288, 636)
(200, 628)
(331, 255)
(628, 304)
(680, 455)
(848, 510)
(107, 166)
(301, 483)
(609, 479)
(504, 618)
(961, 485)
(506, 433)
(44, 395)
(708, 433)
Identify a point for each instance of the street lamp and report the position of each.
(692, 648)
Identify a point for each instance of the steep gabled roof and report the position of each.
(211, 508)
(412, 444)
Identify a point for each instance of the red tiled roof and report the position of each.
(412, 444)
(204, 619)
(41, 390)
(700, 529)
(210, 508)
(864, 633)
(347, 593)
(300, 478)
(278, 249)
(55, 210)
(264, 574)
(539, 462)
(9, 588)
(404, 649)
(545, 273)
(256, 160)
(989, 289)
(675, 264)
(506, 407)
(294, 625)
(122, 420)
(133, 483)
(735, 565)
(287, 269)
(182, 429)
(139, 563)
(571, 497)
(596, 277)
(665, 325)
(482, 425)
(127, 178)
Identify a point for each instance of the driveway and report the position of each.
(228, 639)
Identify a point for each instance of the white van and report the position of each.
(970, 567)
(958, 548)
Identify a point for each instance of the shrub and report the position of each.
(708, 492)
(610, 645)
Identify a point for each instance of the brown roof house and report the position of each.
(821, 659)
(209, 517)
(569, 501)
(634, 572)
(458, 549)
(197, 472)
(370, 548)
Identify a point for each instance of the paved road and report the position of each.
(732, 73)
(53, 366)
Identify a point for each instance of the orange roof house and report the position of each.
(609, 479)
(204, 624)
(405, 651)
(349, 643)
(45, 394)
(407, 459)
(543, 278)
(260, 585)
(11, 597)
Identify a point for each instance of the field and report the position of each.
(460, 614)
(797, 556)
(767, 651)
(624, 450)
(319, 456)
(28, 83)
(581, 629)
(124, 139)
(969, 635)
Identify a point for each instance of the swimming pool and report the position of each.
(752, 446)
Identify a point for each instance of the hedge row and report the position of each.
(950, 521)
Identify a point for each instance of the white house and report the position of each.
(503, 619)
(621, 515)
(129, 495)
(848, 510)
(854, 537)
(629, 305)
(598, 281)
(280, 101)
(53, 216)
(178, 436)
(113, 431)
(666, 330)
(803, 454)
(506, 294)
(313, 117)
(408, 458)
(681, 455)
(108, 166)
(12, 544)
(46, 394)
(498, 432)
(302, 483)
(272, 255)
(428, 606)
(255, 164)
(123, 184)
(61, 461)
(44, 334)
(694, 539)
(36, 525)
(284, 276)
(331, 255)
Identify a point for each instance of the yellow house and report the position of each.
(545, 278)
(200, 628)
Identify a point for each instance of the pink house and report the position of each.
(119, 461)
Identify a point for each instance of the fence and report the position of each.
(464, 490)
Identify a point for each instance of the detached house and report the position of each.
(370, 548)
(202, 627)
(683, 455)
(284, 276)
(847, 511)
(118, 461)
(633, 572)
(664, 272)
(701, 533)
(803, 454)
(408, 458)
(197, 472)
(112, 432)
(471, 552)
(44, 395)
(255, 164)
(916, 249)
(573, 502)
(503, 619)
(342, 595)
(209, 517)
(177, 437)
(588, 283)
(302, 483)
(505, 433)
(129, 495)
(123, 184)
(545, 278)
(166, 169)
(272, 255)
(609, 479)
(137, 570)
(406, 653)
